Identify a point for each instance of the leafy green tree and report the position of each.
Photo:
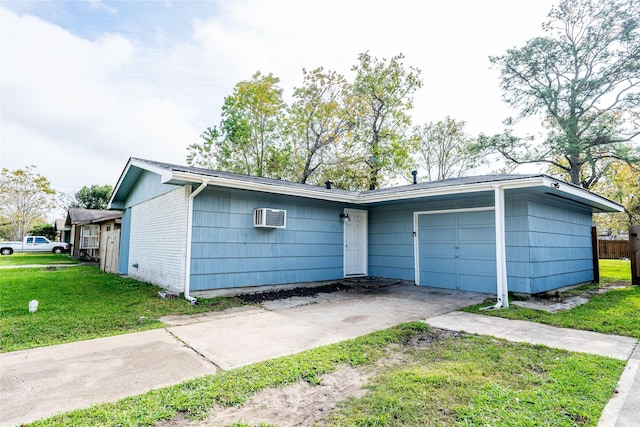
(445, 150)
(46, 230)
(622, 185)
(25, 199)
(384, 95)
(94, 197)
(250, 130)
(205, 155)
(582, 78)
(319, 119)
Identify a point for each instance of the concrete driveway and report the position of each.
(41, 382)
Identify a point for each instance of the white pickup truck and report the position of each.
(33, 244)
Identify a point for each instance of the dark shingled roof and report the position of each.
(389, 190)
(88, 216)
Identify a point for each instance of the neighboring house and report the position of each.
(63, 232)
(195, 230)
(88, 227)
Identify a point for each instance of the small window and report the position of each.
(90, 237)
(40, 240)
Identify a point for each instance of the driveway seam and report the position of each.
(202, 355)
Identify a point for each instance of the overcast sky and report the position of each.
(87, 84)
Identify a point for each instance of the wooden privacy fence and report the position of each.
(634, 252)
(613, 249)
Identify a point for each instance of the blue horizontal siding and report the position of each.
(391, 251)
(548, 244)
(560, 245)
(227, 251)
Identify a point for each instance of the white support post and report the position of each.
(501, 250)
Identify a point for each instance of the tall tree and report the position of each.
(250, 132)
(445, 150)
(318, 120)
(206, 154)
(582, 79)
(94, 197)
(25, 199)
(384, 92)
(622, 184)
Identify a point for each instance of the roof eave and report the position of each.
(308, 192)
(171, 176)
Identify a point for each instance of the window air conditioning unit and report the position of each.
(269, 218)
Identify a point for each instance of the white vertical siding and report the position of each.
(158, 242)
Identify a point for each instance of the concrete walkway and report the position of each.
(41, 382)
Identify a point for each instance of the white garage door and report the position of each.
(457, 250)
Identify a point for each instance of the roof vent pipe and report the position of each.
(415, 176)
(328, 185)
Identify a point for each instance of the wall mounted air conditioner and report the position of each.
(269, 218)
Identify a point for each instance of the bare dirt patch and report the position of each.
(302, 404)
(560, 301)
(294, 405)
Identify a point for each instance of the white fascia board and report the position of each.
(364, 198)
(455, 189)
(117, 187)
(164, 173)
(582, 193)
(258, 186)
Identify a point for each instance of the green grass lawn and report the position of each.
(456, 380)
(615, 270)
(81, 303)
(615, 312)
(36, 258)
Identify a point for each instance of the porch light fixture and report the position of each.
(344, 217)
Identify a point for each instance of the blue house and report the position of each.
(204, 232)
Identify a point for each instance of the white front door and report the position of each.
(355, 243)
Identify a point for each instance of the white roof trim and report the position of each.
(364, 198)
(259, 186)
(564, 187)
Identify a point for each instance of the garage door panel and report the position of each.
(439, 265)
(439, 280)
(441, 234)
(441, 220)
(460, 256)
(478, 217)
(482, 234)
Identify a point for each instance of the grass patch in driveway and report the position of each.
(29, 258)
(81, 303)
(453, 380)
(615, 312)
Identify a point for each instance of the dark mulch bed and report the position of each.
(297, 292)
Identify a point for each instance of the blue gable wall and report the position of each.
(147, 187)
(227, 251)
